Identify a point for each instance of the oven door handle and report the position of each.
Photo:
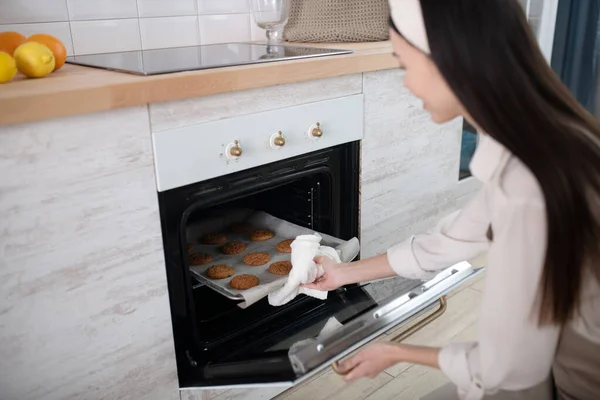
(317, 355)
(408, 332)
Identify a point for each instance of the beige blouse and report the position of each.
(512, 352)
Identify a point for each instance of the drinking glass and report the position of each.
(271, 15)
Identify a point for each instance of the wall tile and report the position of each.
(113, 25)
(225, 28)
(105, 36)
(257, 34)
(58, 29)
(105, 9)
(222, 6)
(166, 8)
(165, 32)
(24, 11)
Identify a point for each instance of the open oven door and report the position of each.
(312, 338)
(328, 348)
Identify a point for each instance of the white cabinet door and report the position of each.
(85, 310)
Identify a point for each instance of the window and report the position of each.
(576, 54)
(467, 150)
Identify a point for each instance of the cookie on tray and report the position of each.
(233, 248)
(213, 238)
(260, 235)
(220, 271)
(243, 282)
(190, 249)
(240, 227)
(256, 259)
(284, 246)
(280, 267)
(199, 258)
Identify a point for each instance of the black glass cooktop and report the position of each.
(163, 61)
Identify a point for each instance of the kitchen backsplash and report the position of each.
(96, 26)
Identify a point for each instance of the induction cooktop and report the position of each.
(164, 61)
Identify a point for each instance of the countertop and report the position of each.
(78, 90)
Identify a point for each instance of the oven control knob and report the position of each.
(315, 131)
(233, 150)
(277, 141)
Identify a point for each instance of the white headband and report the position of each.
(408, 18)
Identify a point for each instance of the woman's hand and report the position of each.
(377, 357)
(371, 361)
(333, 277)
(337, 275)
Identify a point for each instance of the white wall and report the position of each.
(534, 10)
(96, 26)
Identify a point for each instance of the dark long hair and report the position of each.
(490, 58)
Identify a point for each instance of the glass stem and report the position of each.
(273, 36)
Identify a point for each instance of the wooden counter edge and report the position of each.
(137, 90)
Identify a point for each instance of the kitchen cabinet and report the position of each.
(410, 170)
(84, 311)
(409, 164)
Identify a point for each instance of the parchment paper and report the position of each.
(268, 282)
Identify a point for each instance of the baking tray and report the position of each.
(220, 223)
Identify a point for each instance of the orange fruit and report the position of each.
(55, 45)
(9, 41)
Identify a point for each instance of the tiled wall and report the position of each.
(96, 26)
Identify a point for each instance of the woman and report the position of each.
(537, 216)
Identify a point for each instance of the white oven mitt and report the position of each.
(304, 270)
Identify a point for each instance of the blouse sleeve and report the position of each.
(513, 352)
(458, 237)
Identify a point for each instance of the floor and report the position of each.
(404, 381)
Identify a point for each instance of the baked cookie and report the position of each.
(190, 249)
(220, 271)
(233, 248)
(240, 227)
(199, 258)
(213, 238)
(256, 259)
(260, 235)
(284, 247)
(243, 282)
(280, 267)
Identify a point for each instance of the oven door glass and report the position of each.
(396, 310)
(311, 339)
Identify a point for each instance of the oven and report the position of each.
(301, 165)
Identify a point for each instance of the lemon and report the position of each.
(34, 60)
(8, 67)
